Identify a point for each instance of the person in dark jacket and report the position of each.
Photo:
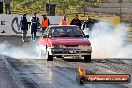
(87, 26)
(76, 22)
(34, 26)
(24, 27)
(88, 23)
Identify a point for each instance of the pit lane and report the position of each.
(38, 73)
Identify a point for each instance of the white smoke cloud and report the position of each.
(108, 44)
(27, 50)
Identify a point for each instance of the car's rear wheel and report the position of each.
(44, 54)
(87, 58)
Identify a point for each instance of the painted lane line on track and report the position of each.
(12, 75)
(18, 79)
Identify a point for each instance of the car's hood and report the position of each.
(69, 41)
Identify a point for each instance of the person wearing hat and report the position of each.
(87, 23)
(24, 27)
(87, 26)
(34, 26)
(76, 22)
(63, 21)
(45, 22)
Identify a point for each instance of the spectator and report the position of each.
(34, 26)
(87, 26)
(63, 21)
(76, 22)
(88, 23)
(7, 6)
(45, 22)
(1, 6)
(24, 27)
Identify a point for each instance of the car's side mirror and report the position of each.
(87, 36)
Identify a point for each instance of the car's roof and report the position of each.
(62, 26)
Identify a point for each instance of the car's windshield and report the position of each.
(65, 32)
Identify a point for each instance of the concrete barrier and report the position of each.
(10, 24)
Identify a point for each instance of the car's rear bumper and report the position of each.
(70, 51)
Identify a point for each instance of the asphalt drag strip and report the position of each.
(38, 73)
(6, 80)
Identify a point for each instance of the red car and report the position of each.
(62, 41)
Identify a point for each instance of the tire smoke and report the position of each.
(109, 42)
(26, 51)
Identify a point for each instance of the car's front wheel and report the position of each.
(49, 57)
(87, 58)
(44, 54)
